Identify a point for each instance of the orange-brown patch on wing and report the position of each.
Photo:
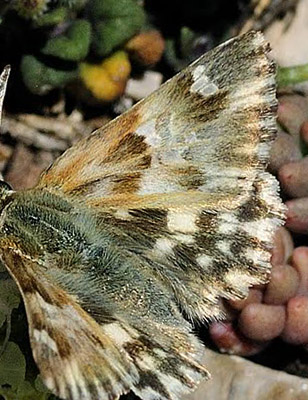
(129, 183)
(26, 277)
(188, 176)
(129, 146)
(188, 199)
(73, 168)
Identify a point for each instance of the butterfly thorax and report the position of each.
(49, 227)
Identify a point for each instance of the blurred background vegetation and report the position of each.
(90, 48)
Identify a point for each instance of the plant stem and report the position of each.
(291, 75)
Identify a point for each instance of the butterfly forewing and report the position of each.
(207, 129)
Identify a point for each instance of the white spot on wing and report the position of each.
(258, 256)
(191, 137)
(43, 337)
(146, 362)
(224, 247)
(269, 192)
(117, 333)
(186, 239)
(205, 261)
(263, 151)
(182, 221)
(70, 379)
(202, 83)
(164, 245)
(261, 229)
(80, 379)
(151, 135)
(247, 95)
(240, 280)
(122, 214)
(147, 393)
(157, 183)
(49, 382)
(172, 384)
(50, 309)
(227, 223)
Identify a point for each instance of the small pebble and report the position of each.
(292, 112)
(304, 132)
(140, 88)
(254, 296)
(283, 247)
(293, 178)
(300, 263)
(146, 48)
(284, 151)
(26, 167)
(296, 327)
(5, 152)
(229, 340)
(297, 215)
(282, 286)
(262, 322)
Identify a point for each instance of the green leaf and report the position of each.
(40, 78)
(9, 298)
(114, 22)
(12, 366)
(39, 385)
(74, 45)
(54, 17)
(292, 75)
(27, 392)
(113, 9)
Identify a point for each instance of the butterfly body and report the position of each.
(76, 249)
(162, 212)
(74, 258)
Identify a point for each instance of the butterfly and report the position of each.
(144, 226)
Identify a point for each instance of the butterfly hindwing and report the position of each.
(64, 337)
(205, 251)
(86, 352)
